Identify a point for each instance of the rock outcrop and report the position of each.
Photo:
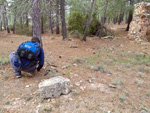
(140, 25)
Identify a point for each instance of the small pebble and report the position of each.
(27, 86)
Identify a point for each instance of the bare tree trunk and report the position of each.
(14, 24)
(14, 20)
(121, 15)
(7, 27)
(50, 18)
(42, 24)
(130, 16)
(4, 21)
(27, 20)
(1, 16)
(129, 20)
(21, 25)
(126, 21)
(103, 20)
(88, 21)
(63, 19)
(115, 20)
(36, 27)
(1, 25)
(57, 17)
(50, 22)
(6, 16)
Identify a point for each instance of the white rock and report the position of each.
(82, 88)
(54, 87)
(77, 83)
(108, 112)
(75, 75)
(70, 99)
(17, 99)
(64, 67)
(76, 65)
(27, 86)
(108, 74)
(81, 81)
(90, 81)
(48, 100)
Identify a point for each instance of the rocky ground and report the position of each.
(107, 75)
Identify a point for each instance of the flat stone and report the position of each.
(77, 83)
(54, 87)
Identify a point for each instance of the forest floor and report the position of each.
(107, 76)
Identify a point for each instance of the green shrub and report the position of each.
(76, 33)
(3, 61)
(122, 98)
(93, 28)
(101, 67)
(5, 76)
(77, 22)
(78, 60)
(22, 30)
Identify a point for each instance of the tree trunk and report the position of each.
(1, 25)
(63, 20)
(88, 21)
(115, 19)
(50, 18)
(121, 15)
(109, 20)
(42, 24)
(14, 20)
(21, 25)
(50, 22)
(103, 20)
(27, 20)
(36, 28)
(1, 16)
(7, 27)
(126, 21)
(130, 16)
(4, 21)
(6, 16)
(129, 20)
(14, 24)
(57, 17)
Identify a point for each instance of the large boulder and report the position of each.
(54, 87)
(139, 27)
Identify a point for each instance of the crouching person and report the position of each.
(29, 58)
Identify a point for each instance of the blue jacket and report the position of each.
(26, 62)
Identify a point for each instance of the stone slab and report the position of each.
(54, 87)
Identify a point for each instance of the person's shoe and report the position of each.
(18, 76)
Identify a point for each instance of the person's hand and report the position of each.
(38, 68)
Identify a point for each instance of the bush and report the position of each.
(22, 31)
(77, 22)
(3, 61)
(93, 28)
(76, 34)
